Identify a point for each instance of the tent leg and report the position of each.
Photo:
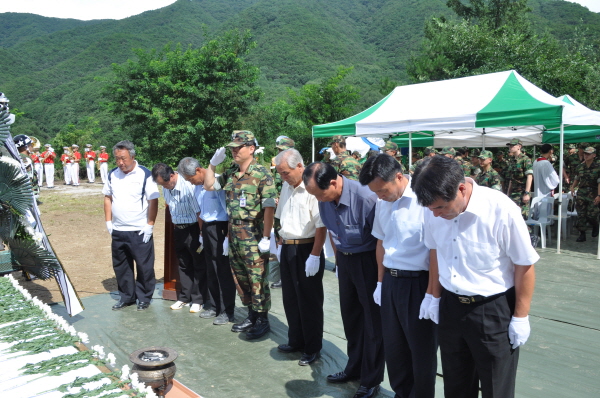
(560, 188)
(313, 148)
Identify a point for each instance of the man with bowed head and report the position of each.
(483, 279)
(130, 209)
(404, 284)
(250, 196)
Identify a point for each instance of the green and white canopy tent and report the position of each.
(477, 111)
(583, 127)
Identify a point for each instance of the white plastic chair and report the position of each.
(543, 204)
(565, 230)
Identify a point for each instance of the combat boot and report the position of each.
(247, 323)
(595, 231)
(581, 237)
(260, 328)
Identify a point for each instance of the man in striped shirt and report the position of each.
(184, 209)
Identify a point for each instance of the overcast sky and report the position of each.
(119, 9)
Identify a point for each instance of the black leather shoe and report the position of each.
(364, 392)
(260, 328)
(276, 285)
(246, 324)
(340, 377)
(287, 348)
(581, 237)
(143, 305)
(121, 304)
(307, 359)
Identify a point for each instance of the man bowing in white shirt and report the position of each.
(486, 279)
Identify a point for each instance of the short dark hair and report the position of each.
(383, 166)
(461, 151)
(163, 170)
(436, 178)
(545, 148)
(321, 172)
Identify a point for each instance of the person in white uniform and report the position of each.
(485, 282)
(545, 179)
(90, 160)
(75, 159)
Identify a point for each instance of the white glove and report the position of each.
(518, 331)
(218, 157)
(226, 247)
(377, 294)
(278, 254)
(424, 310)
(434, 309)
(312, 265)
(109, 227)
(201, 240)
(147, 232)
(264, 245)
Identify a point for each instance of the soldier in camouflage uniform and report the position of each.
(427, 152)
(475, 163)
(587, 183)
(488, 177)
(500, 164)
(250, 197)
(518, 176)
(463, 162)
(572, 160)
(448, 152)
(343, 163)
(391, 148)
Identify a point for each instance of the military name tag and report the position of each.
(243, 200)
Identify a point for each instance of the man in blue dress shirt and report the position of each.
(347, 209)
(213, 216)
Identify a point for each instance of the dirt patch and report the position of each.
(73, 218)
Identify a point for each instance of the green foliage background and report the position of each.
(54, 70)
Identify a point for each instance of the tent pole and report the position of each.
(483, 141)
(313, 148)
(560, 186)
(409, 151)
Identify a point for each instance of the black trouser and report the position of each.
(192, 265)
(475, 347)
(410, 343)
(220, 280)
(127, 248)
(361, 316)
(302, 298)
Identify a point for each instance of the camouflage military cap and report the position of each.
(285, 143)
(515, 141)
(583, 145)
(448, 150)
(589, 149)
(389, 146)
(241, 137)
(572, 146)
(337, 138)
(475, 153)
(485, 155)
(429, 150)
(356, 153)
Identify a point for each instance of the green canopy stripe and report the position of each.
(513, 105)
(346, 126)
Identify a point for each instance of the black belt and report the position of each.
(211, 222)
(241, 222)
(475, 299)
(400, 273)
(183, 226)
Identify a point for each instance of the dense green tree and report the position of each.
(178, 103)
(493, 13)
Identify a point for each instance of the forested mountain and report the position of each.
(54, 70)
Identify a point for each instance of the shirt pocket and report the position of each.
(409, 233)
(479, 255)
(353, 234)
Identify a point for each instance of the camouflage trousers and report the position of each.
(587, 211)
(517, 197)
(249, 266)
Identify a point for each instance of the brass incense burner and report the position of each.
(155, 367)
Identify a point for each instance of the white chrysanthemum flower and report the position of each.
(150, 392)
(135, 380)
(111, 359)
(124, 372)
(83, 337)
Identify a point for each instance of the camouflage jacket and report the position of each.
(347, 166)
(416, 164)
(588, 177)
(500, 167)
(518, 169)
(475, 171)
(572, 161)
(465, 164)
(490, 179)
(256, 187)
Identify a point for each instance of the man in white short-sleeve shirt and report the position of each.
(403, 287)
(302, 262)
(130, 209)
(486, 279)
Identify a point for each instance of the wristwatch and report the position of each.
(526, 193)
